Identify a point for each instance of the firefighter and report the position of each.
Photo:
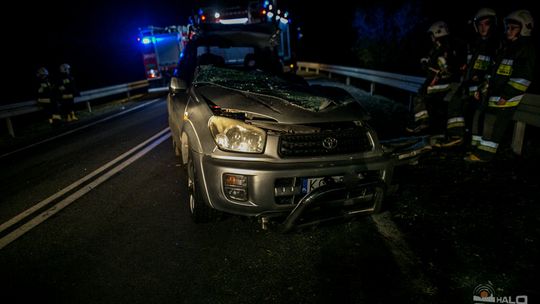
(480, 56)
(67, 92)
(442, 66)
(46, 97)
(509, 80)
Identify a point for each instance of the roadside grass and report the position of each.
(472, 224)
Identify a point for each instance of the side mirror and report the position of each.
(177, 85)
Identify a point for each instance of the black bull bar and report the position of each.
(335, 201)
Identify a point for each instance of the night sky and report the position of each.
(98, 38)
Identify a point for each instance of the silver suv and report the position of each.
(258, 142)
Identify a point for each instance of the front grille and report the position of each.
(328, 142)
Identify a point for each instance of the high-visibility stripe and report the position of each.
(44, 100)
(488, 146)
(455, 125)
(519, 83)
(438, 88)
(484, 58)
(488, 143)
(508, 104)
(512, 102)
(421, 115)
(455, 122)
(456, 119)
(66, 96)
(475, 141)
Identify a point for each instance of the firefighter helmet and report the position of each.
(524, 18)
(65, 68)
(42, 72)
(439, 29)
(485, 13)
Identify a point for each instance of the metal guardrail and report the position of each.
(528, 111)
(404, 82)
(21, 108)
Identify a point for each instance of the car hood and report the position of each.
(276, 99)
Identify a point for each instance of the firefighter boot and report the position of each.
(473, 158)
(55, 118)
(72, 115)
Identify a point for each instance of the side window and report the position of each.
(228, 56)
(210, 59)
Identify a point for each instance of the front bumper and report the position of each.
(273, 190)
(335, 201)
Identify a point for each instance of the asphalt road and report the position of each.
(129, 238)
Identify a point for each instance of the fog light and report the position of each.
(236, 194)
(235, 187)
(234, 180)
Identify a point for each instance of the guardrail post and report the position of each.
(348, 80)
(10, 127)
(317, 71)
(88, 107)
(372, 88)
(128, 94)
(330, 75)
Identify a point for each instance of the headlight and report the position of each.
(234, 135)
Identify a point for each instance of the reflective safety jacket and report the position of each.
(44, 91)
(512, 73)
(443, 65)
(480, 58)
(66, 88)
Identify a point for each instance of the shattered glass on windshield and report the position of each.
(263, 83)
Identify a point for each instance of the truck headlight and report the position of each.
(234, 135)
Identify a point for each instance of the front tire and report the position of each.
(199, 211)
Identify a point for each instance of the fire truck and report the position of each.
(255, 12)
(161, 48)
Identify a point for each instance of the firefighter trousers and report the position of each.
(457, 106)
(431, 110)
(489, 129)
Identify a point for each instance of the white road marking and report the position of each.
(403, 255)
(4, 241)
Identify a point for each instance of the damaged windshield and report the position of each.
(256, 81)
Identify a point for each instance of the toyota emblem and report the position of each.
(329, 143)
